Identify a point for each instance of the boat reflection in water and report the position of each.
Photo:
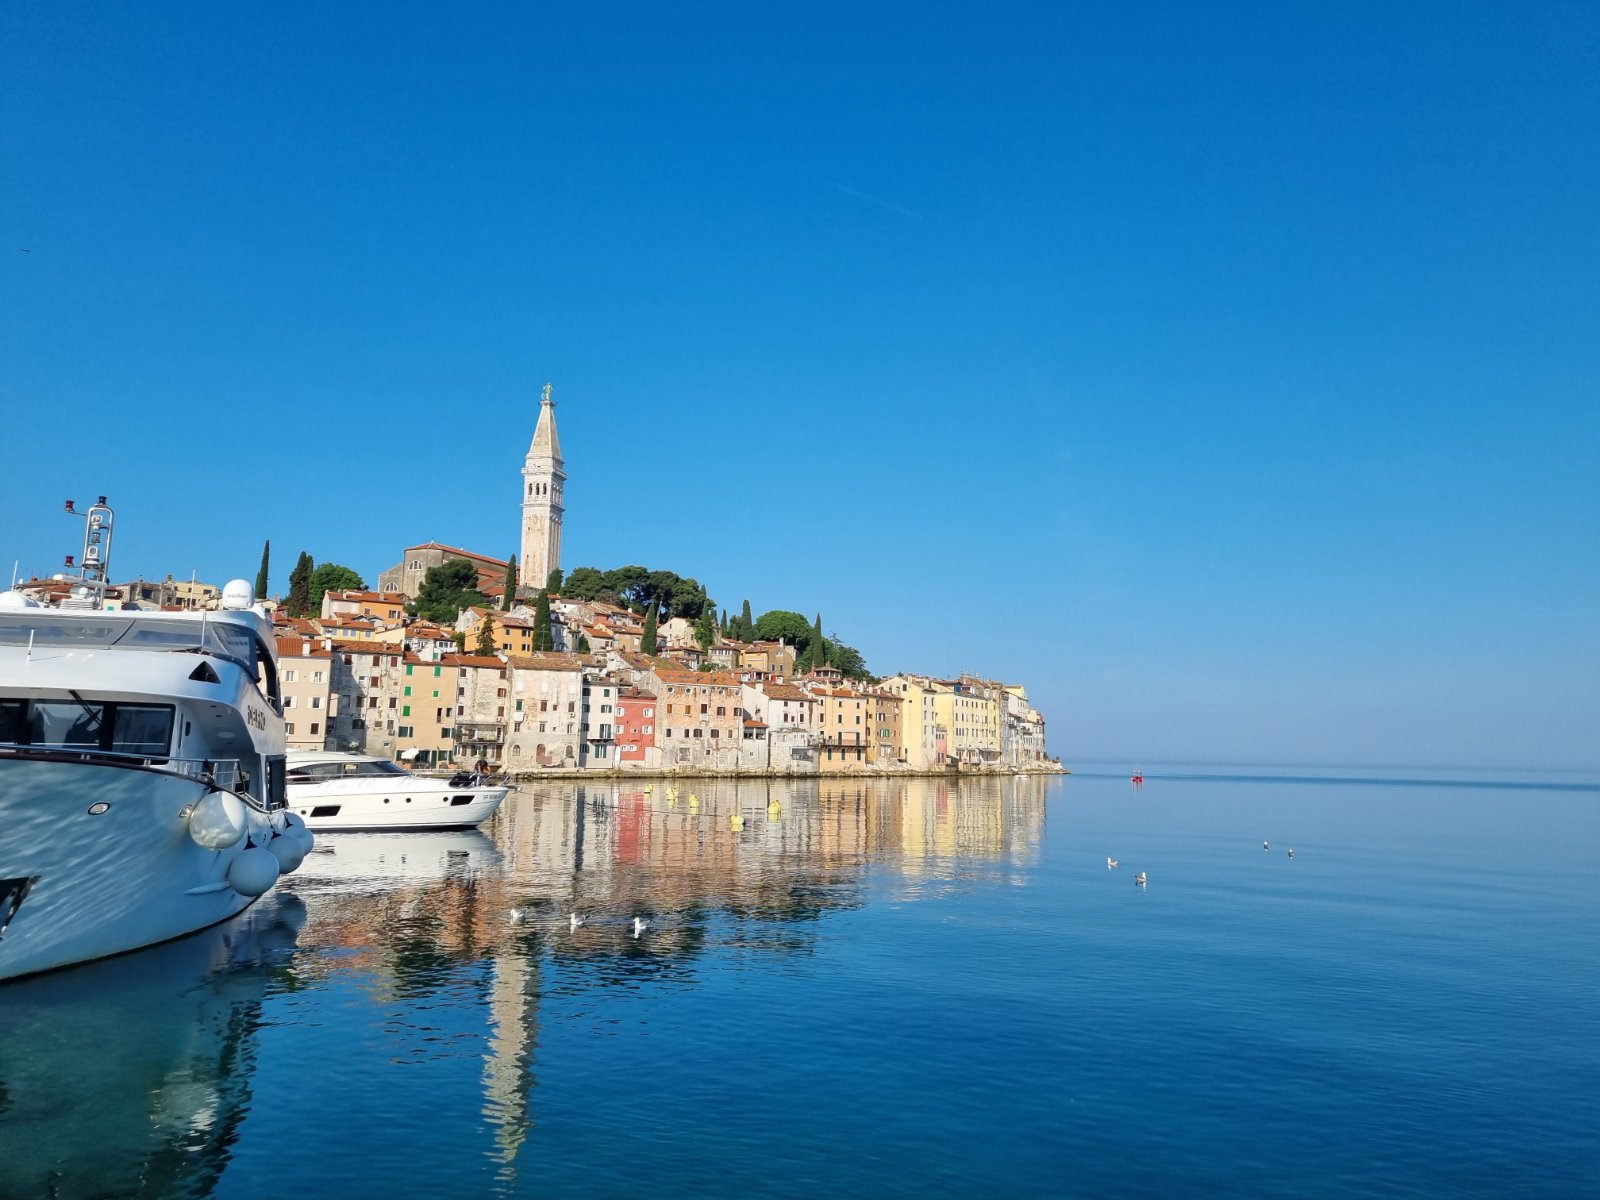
(132, 1075)
(438, 982)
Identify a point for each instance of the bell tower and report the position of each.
(543, 481)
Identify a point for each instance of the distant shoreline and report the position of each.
(844, 771)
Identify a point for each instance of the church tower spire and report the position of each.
(543, 480)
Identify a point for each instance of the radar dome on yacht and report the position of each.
(11, 600)
(237, 594)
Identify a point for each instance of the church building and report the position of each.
(542, 482)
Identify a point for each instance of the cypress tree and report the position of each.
(510, 597)
(583, 644)
(543, 635)
(485, 644)
(747, 625)
(261, 575)
(299, 602)
(819, 648)
(552, 581)
(647, 642)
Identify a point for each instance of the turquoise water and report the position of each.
(905, 989)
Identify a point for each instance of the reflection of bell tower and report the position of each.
(542, 481)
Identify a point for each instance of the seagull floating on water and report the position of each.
(1141, 879)
(1264, 846)
(1112, 862)
(1291, 854)
(639, 926)
(575, 920)
(517, 914)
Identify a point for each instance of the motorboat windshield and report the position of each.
(322, 772)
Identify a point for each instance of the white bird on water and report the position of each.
(574, 920)
(1291, 854)
(1264, 846)
(639, 926)
(1141, 879)
(1112, 862)
(517, 914)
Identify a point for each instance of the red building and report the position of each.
(636, 726)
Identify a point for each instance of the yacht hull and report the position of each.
(392, 803)
(96, 860)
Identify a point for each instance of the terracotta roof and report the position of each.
(546, 660)
(786, 691)
(300, 647)
(470, 660)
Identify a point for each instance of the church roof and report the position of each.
(545, 441)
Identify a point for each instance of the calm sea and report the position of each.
(905, 989)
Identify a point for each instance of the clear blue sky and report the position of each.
(1228, 374)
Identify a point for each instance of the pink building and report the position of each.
(636, 726)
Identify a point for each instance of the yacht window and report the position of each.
(13, 721)
(65, 723)
(141, 728)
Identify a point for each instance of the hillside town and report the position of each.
(590, 685)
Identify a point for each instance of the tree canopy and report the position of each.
(261, 575)
(781, 623)
(639, 588)
(510, 587)
(333, 577)
(446, 590)
(298, 601)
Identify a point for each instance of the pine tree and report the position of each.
(543, 635)
(647, 641)
(510, 597)
(485, 644)
(299, 602)
(261, 575)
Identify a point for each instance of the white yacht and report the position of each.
(331, 790)
(141, 767)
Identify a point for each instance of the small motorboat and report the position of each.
(333, 790)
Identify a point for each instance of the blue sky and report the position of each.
(1226, 373)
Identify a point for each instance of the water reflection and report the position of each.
(132, 1075)
(137, 1074)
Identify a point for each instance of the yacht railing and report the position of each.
(228, 774)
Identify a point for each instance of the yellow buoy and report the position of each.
(774, 809)
(735, 822)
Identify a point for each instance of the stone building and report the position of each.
(407, 575)
(305, 666)
(546, 722)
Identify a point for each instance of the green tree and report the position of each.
(647, 640)
(331, 577)
(552, 581)
(298, 603)
(744, 626)
(705, 630)
(585, 583)
(485, 643)
(781, 623)
(510, 597)
(583, 644)
(543, 633)
(848, 659)
(446, 590)
(261, 575)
